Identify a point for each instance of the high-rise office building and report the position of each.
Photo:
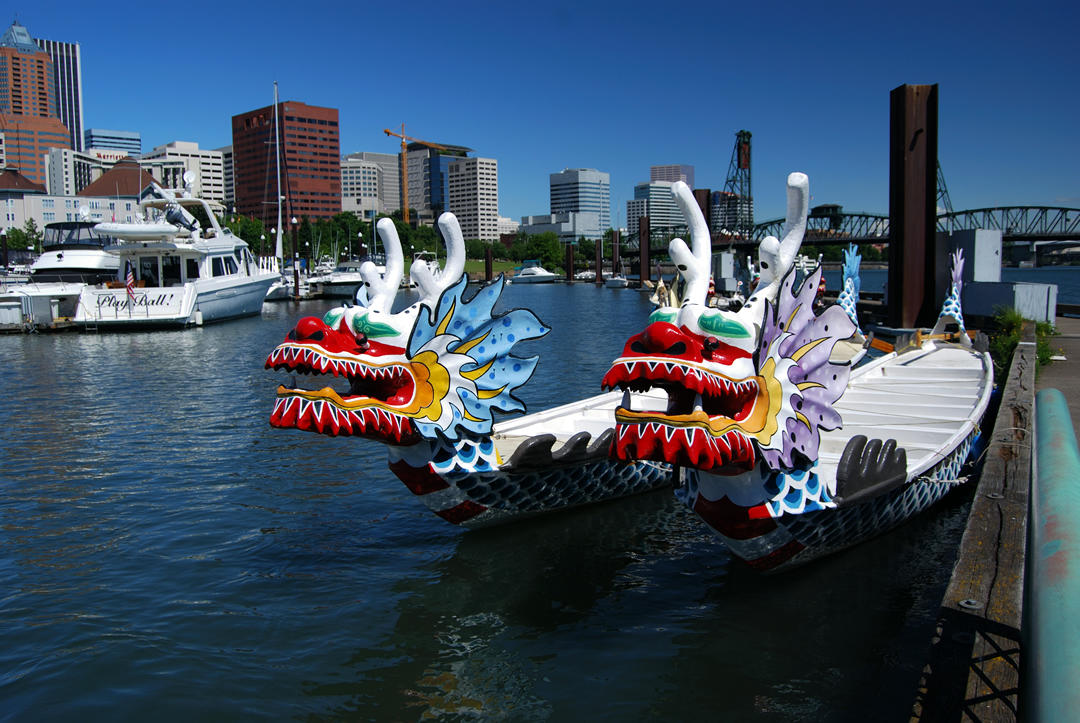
(310, 161)
(360, 187)
(207, 166)
(67, 72)
(388, 175)
(653, 199)
(672, 173)
(29, 115)
(427, 175)
(585, 190)
(102, 138)
(473, 186)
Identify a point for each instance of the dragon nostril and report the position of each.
(291, 336)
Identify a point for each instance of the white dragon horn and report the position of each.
(383, 288)
(776, 258)
(693, 265)
(431, 285)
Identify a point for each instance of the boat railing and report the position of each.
(269, 265)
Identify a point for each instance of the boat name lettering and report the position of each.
(115, 301)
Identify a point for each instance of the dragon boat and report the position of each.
(427, 380)
(787, 441)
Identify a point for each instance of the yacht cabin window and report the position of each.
(148, 270)
(170, 271)
(192, 269)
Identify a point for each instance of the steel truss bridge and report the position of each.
(827, 225)
(830, 225)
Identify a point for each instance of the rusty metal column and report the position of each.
(913, 141)
(644, 234)
(600, 260)
(570, 263)
(614, 253)
(488, 265)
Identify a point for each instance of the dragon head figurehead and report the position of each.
(435, 370)
(744, 387)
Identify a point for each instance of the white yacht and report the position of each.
(533, 273)
(340, 283)
(174, 272)
(74, 252)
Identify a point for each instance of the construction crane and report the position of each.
(404, 177)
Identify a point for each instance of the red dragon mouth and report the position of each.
(382, 386)
(710, 418)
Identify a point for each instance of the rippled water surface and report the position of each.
(165, 553)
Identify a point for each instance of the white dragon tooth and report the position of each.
(697, 403)
(626, 399)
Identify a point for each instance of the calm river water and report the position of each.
(166, 554)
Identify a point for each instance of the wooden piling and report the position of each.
(974, 666)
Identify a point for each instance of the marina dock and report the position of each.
(988, 660)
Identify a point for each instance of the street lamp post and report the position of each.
(360, 240)
(296, 262)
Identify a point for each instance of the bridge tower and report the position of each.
(737, 206)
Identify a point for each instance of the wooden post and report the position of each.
(569, 263)
(913, 141)
(644, 234)
(488, 265)
(600, 259)
(615, 253)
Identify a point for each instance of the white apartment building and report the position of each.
(67, 172)
(208, 167)
(360, 182)
(49, 208)
(389, 178)
(474, 197)
(230, 179)
(508, 226)
(659, 206)
(569, 226)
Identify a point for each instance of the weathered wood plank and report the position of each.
(974, 666)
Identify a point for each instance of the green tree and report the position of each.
(547, 248)
(32, 234)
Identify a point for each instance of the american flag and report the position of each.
(130, 282)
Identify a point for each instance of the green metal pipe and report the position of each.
(1053, 655)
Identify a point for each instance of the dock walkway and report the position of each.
(974, 669)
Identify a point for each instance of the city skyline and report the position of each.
(811, 83)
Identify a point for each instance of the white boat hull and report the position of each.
(191, 304)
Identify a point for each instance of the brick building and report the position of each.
(310, 162)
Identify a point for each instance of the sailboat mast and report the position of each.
(278, 251)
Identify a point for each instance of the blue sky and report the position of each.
(614, 86)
